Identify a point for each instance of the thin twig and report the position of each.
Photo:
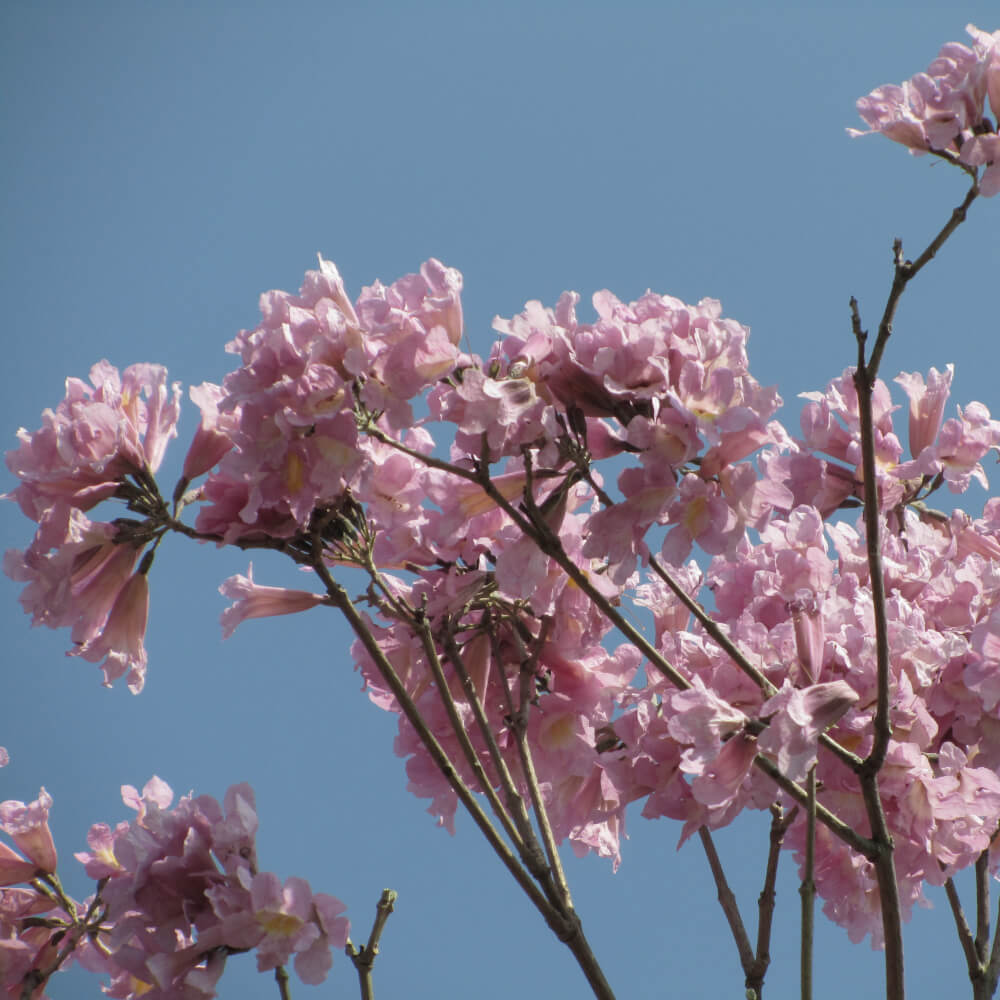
(992, 976)
(422, 627)
(965, 937)
(566, 926)
(281, 978)
(531, 852)
(780, 822)
(982, 905)
(807, 890)
(885, 868)
(727, 900)
(520, 726)
(364, 958)
(906, 270)
(340, 600)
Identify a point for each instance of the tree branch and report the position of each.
(364, 958)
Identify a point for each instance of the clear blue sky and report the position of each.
(165, 163)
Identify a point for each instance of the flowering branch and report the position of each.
(566, 924)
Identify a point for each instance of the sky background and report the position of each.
(165, 163)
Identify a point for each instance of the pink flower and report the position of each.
(798, 716)
(73, 570)
(213, 438)
(931, 109)
(284, 914)
(28, 826)
(701, 514)
(119, 646)
(987, 49)
(926, 405)
(95, 437)
(956, 453)
(942, 109)
(254, 601)
(984, 150)
(314, 963)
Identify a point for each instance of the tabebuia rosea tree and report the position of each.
(825, 647)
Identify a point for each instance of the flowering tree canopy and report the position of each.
(824, 644)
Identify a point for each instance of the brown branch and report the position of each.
(364, 958)
(727, 900)
(906, 270)
(965, 937)
(780, 822)
(808, 892)
(531, 853)
(519, 721)
(982, 904)
(422, 628)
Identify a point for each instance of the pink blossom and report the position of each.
(213, 439)
(984, 150)
(120, 646)
(931, 109)
(28, 826)
(926, 405)
(284, 913)
(255, 601)
(73, 570)
(797, 717)
(172, 915)
(701, 718)
(96, 436)
(701, 514)
(960, 445)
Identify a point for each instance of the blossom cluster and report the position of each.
(942, 110)
(178, 892)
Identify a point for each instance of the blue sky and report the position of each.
(166, 163)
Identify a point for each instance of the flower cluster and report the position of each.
(178, 892)
(306, 370)
(103, 440)
(942, 110)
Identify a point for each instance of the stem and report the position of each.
(365, 958)
(906, 270)
(885, 869)
(728, 902)
(520, 726)
(962, 926)
(808, 891)
(281, 978)
(982, 962)
(423, 630)
(531, 853)
(755, 963)
(982, 904)
(780, 822)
